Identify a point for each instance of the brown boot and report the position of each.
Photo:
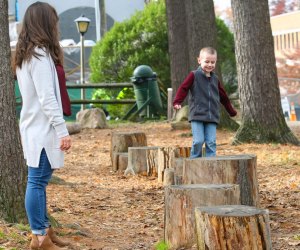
(34, 244)
(55, 239)
(47, 244)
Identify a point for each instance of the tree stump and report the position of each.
(142, 160)
(169, 177)
(123, 162)
(238, 169)
(178, 167)
(120, 162)
(166, 156)
(180, 203)
(232, 227)
(121, 141)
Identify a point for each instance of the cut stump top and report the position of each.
(202, 186)
(232, 210)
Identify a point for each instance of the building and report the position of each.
(286, 31)
(286, 34)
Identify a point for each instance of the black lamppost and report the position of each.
(82, 24)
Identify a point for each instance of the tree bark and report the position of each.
(180, 204)
(166, 156)
(262, 117)
(232, 227)
(178, 167)
(238, 169)
(120, 162)
(142, 160)
(200, 18)
(178, 46)
(169, 177)
(13, 171)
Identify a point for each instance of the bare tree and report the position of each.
(262, 116)
(12, 166)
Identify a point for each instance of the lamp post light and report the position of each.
(82, 24)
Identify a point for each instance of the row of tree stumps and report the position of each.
(211, 203)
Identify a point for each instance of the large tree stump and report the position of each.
(180, 204)
(142, 160)
(237, 169)
(121, 141)
(232, 227)
(166, 157)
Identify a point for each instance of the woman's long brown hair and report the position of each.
(39, 29)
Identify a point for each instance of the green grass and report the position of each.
(161, 246)
(23, 227)
(297, 237)
(2, 235)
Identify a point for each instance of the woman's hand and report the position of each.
(65, 143)
(177, 106)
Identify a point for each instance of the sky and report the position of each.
(222, 3)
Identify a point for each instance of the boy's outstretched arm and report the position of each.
(183, 90)
(225, 100)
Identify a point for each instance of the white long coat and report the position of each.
(41, 120)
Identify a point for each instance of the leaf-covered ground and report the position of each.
(99, 209)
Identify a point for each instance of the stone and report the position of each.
(92, 118)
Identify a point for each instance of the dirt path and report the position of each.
(99, 209)
(103, 210)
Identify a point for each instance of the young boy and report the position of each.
(206, 92)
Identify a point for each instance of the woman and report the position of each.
(43, 129)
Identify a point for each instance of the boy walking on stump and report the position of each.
(205, 94)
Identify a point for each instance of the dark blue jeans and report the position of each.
(203, 132)
(35, 197)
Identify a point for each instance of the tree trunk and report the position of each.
(232, 227)
(238, 169)
(200, 18)
(180, 204)
(12, 166)
(103, 24)
(262, 117)
(178, 46)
